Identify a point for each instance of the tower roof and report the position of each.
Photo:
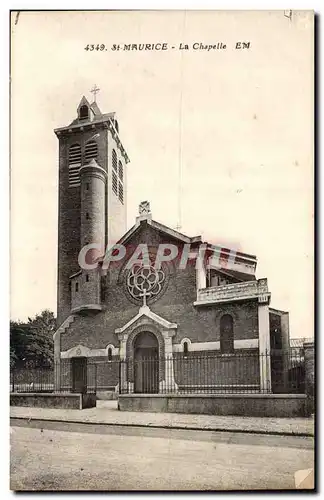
(92, 118)
(95, 108)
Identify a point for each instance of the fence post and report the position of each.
(264, 347)
(309, 356)
(123, 386)
(57, 375)
(168, 384)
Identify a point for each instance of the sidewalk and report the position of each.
(106, 413)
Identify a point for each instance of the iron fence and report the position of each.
(32, 379)
(65, 376)
(203, 372)
(213, 373)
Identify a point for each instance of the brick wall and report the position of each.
(68, 232)
(116, 221)
(112, 216)
(69, 217)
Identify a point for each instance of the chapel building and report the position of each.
(117, 316)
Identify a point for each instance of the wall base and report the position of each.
(53, 400)
(107, 395)
(244, 405)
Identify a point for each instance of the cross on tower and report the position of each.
(144, 295)
(95, 91)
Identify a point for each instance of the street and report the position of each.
(87, 457)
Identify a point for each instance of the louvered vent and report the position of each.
(120, 170)
(117, 177)
(114, 182)
(91, 152)
(121, 192)
(114, 160)
(74, 165)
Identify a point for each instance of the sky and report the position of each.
(233, 128)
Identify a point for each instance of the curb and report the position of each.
(175, 427)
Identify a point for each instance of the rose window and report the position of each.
(145, 281)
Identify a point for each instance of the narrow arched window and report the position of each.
(91, 151)
(74, 165)
(116, 126)
(109, 354)
(226, 334)
(84, 112)
(185, 348)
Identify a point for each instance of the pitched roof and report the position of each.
(244, 262)
(159, 227)
(95, 108)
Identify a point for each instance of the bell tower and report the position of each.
(92, 201)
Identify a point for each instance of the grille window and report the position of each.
(91, 151)
(114, 183)
(74, 165)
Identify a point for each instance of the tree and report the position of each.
(31, 343)
(43, 324)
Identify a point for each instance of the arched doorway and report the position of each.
(146, 363)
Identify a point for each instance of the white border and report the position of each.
(4, 148)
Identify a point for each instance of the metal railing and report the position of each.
(203, 372)
(63, 377)
(32, 379)
(213, 373)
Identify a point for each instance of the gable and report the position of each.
(168, 235)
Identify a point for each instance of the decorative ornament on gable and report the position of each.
(144, 211)
(144, 207)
